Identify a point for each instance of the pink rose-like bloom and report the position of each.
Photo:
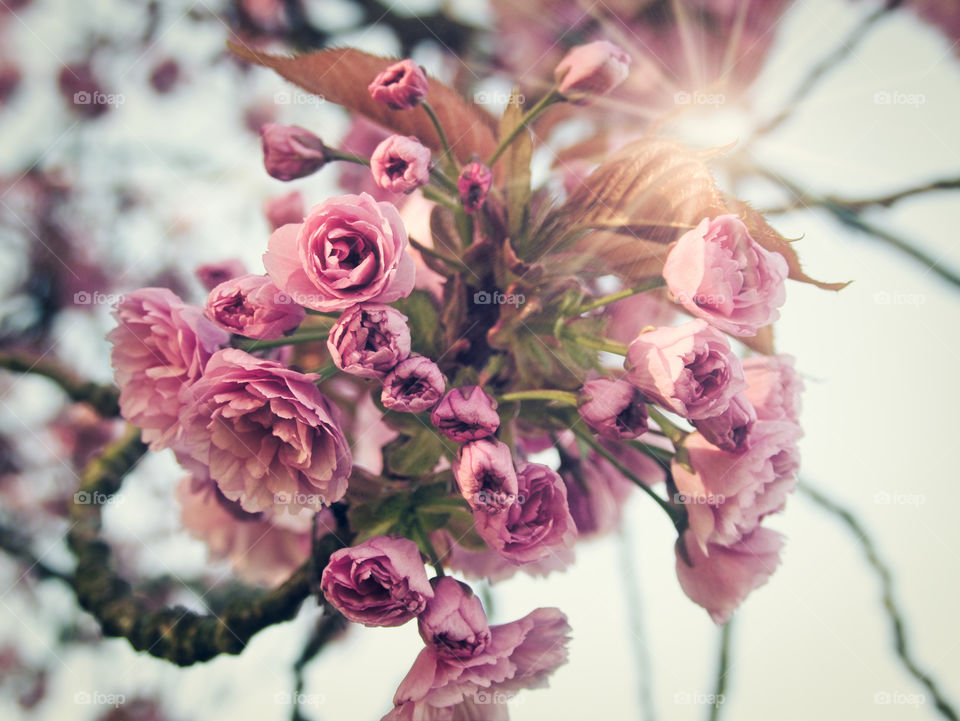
(400, 164)
(537, 525)
(252, 306)
(465, 414)
(160, 345)
(284, 209)
(774, 387)
(401, 86)
(613, 408)
(380, 582)
(269, 437)
(350, 249)
(291, 152)
(719, 273)
(731, 429)
(369, 340)
(728, 494)
(722, 577)
(415, 385)
(518, 655)
(474, 184)
(592, 69)
(213, 274)
(486, 475)
(454, 622)
(689, 369)
(488, 565)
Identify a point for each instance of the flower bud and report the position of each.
(369, 340)
(415, 385)
(252, 306)
(454, 623)
(291, 152)
(400, 164)
(592, 69)
(486, 475)
(465, 414)
(474, 184)
(284, 209)
(731, 429)
(613, 408)
(401, 86)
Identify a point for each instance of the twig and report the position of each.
(103, 399)
(897, 623)
(858, 205)
(328, 628)
(723, 670)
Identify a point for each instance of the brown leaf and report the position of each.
(341, 75)
(762, 342)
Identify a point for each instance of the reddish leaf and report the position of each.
(341, 75)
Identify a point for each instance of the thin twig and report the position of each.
(103, 399)
(857, 205)
(331, 625)
(723, 671)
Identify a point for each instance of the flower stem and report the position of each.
(334, 154)
(443, 181)
(620, 295)
(426, 545)
(447, 153)
(545, 102)
(433, 253)
(567, 397)
(308, 336)
(326, 372)
(670, 429)
(604, 344)
(439, 198)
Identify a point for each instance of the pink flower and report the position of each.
(719, 273)
(474, 184)
(728, 494)
(627, 318)
(369, 340)
(252, 306)
(774, 387)
(291, 152)
(720, 578)
(453, 622)
(160, 345)
(349, 249)
(613, 408)
(689, 369)
(268, 435)
(401, 86)
(486, 475)
(380, 582)
(488, 565)
(592, 69)
(284, 209)
(731, 429)
(465, 414)
(415, 385)
(537, 525)
(213, 274)
(518, 655)
(400, 164)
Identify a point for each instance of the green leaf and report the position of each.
(461, 528)
(423, 319)
(516, 164)
(413, 456)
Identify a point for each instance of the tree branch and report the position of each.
(104, 399)
(805, 200)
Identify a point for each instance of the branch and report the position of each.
(102, 398)
(17, 546)
(805, 200)
(723, 669)
(329, 627)
(897, 622)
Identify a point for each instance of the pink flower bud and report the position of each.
(592, 69)
(369, 340)
(486, 475)
(614, 409)
(731, 429)
(291, 152)
(213, 274)
(284, 209)
(252, 306)
(474, 184)
(401, 86)
(415, 385)
(454, 623)
(400, 164)
(465, 414)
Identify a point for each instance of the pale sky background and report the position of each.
(880, 360)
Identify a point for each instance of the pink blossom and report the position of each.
(369, 340)
(537, 525)
(627, 318)
(774, 387)
(453, 621)
(350, 249)
(400, 164)
(592, 69)
(213, 274)
(380, 582)
(486, 475)
(284, 209)
(465, 414)
(401, 86)
(731, 429)
(414, 386)
(160, 345)
(689, 369)
(728, 494)
(721, 274)
(613, 408)
(474, 184)
(291, 152)
(269, 437)
(720, 577)
(488, 565)
(252, 306)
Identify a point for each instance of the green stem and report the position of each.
(307, 336)
(433, 253)
(443, 181)
(598, 343)
(447, 153)
(723, 670)
(426, 545)
(326, 372)
(670, 429)
(439, 198)
(567, 397)
(545, 102)
(334, 154)
(620, 295)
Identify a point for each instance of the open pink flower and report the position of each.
(400, 164)
(401, 86)
(350, 249)
(720, 578)
(592, 69)
(689, 369)
(252, 306)
(721, 274)
(774, 387)
(160, 345)
(269, 437)
(369, 340)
